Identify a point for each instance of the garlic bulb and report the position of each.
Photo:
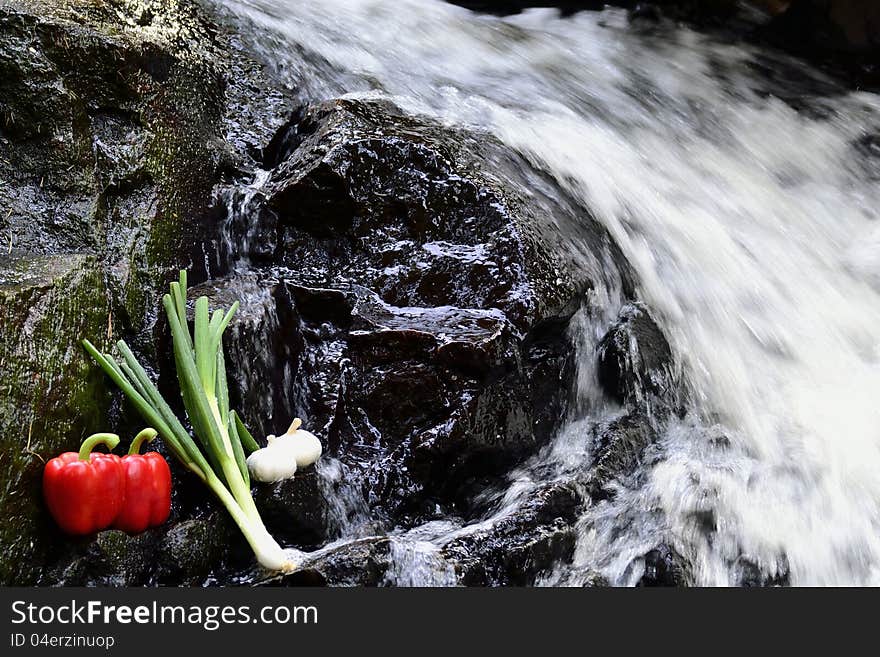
(272, 464)
(284, 454)
(305, 445)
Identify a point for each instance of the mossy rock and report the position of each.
(50, 395)
(111, 142)
(186, 553)
(194, 549)
(110, 120)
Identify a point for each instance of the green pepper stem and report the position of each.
(109, 439)
(146, 435)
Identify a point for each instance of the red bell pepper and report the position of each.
(84, 491)
(147, 488)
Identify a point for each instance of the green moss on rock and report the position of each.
(50, 395)
(110, 116)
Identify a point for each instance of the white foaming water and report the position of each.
(416, 559)
(752, 228)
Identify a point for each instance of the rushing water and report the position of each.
(750, 219)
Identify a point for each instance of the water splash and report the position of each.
(417, 562)
(236, 241)
(348, 512)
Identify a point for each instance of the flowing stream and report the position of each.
(738, 185)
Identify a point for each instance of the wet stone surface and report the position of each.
(111, 116)
(663, 566)
(413, 310)
(404, 290)
(518, 548)
(404, 307)
(634, 358)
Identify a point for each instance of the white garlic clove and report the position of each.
(273, 463)
(305, 445)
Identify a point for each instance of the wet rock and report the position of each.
(104, 133)
(516, 549)
(634, 358)
(408, 397)
(189, 552)
(409, 295)
(111, 558)
(294, 510)
(663, 566)
(645, 12)
(419, 308)
(549, 361)
(50, 396)
(618, 450)
(103, 121)
(195, 549)
(851, 26)
(112, 120)
(751, 575)
(358, 563)
(398, 206)
(504, 7)
(362, 562)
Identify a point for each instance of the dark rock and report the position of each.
(49, 394)
(359, 563)
(618, 450)
(103, 121)
(851, 26)
(504, 7)
(663, 566)
(634, 358)
(362, 562)
(751, 575)
(412, 309)
(190, 552)
(410, 397)
(294, 510)
(111, 558)
(516, 549)
(646, 11)
(113, 118)
(550, 364)
(414, 217)
(408, 293)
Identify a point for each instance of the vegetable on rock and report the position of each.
(84, 490)
(305, 445)
(284, 454)
(271, 464)
(147, 488)
(218, 457)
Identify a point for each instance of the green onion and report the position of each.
(218, 458)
